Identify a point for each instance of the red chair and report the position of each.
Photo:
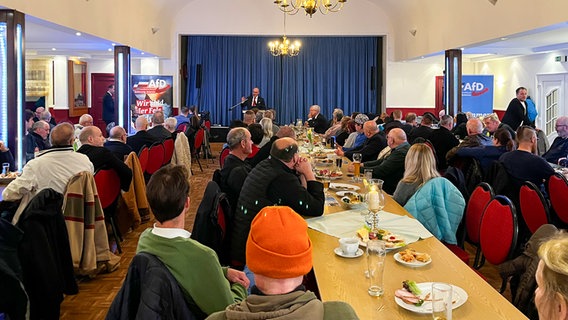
(534, 208)
(168, 150)
(557, 191)
(223, 155)
(207, 125)
(155, 158)
(108, 187)
(182, 127)
(143, 158)
(479, 199)
(498, 233)
(199, 137)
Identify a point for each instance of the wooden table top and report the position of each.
(343, 279)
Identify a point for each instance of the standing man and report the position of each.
(108, 105)
(317, 120)
(253, 101)
(516, 114)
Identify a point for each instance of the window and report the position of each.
(551, 110)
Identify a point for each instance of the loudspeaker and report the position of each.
(373, 79)
(198, 75)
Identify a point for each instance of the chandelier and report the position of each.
(284, 47)
(310, 6)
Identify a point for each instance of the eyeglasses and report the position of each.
(560, 125)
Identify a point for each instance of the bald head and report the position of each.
(158, 118)
(370, 128)
(86, 120)
(284, 149)
(62, 135)
(396, 137)
(562, 126)
(118, 133)
(141, 123)
(474, 126)
(92, 135)
(286, 131)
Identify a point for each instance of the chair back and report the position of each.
(224, 154)
(534, 208)
(478, 201)
(108, 186)
(499, 230)
(207, 125)
(143, 158)
(155, 158)
(557, 191)
(168, 150)
(182, 127)
(199, 137)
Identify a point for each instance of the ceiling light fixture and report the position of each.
(53, 49)
(309, 6)
(286, 47)
(78, 34)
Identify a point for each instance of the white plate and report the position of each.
(410, 264)
(340, 253)
(389, 249)
(330, 178)
(342, 193)
(459, 298)
(344, 187)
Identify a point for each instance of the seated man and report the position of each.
(284, 179)
(36, 140)
(279, 264)
(264, 152)
(92, 142)
(370, 149)
(317, 120)
(84, 121)
(474, 138)
(424, 130)
(208, 287)
(443, 140)
(183, 116)
(158, 131)
(559, 147)
(390, 168)
(51, 169)
(171, 124)
(235, 169)
(142, 137)
(116, 143)
(492, 123)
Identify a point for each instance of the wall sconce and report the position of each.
(412, 32)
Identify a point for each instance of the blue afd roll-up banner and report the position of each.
(477, 94)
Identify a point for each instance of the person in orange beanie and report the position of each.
(279, 264)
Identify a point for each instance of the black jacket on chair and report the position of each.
(13, 297)
(149, 292)
(45, 255)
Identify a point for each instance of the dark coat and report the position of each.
(149, 292)
(45, 255)
(370, 149)
(260, 103)
(118, 148)
(233, 175)
(558, 149)
(104, 159)
(139, 140)
(319, 123)
(108, 108)
(160, 133)
(34, 140)
(443, 141)
(516, 115)
(271, 182)
(13, 298)
(390, 168)
(421, 131)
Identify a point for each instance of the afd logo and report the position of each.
(473, 89)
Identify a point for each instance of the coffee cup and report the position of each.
(349, 246)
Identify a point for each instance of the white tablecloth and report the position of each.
(345, 224)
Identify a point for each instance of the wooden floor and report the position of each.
(95, 296)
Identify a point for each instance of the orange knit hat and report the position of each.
(278, 245)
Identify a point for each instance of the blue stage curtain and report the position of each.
(329, 71)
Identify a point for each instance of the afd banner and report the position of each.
(477, 94)
(151, 93)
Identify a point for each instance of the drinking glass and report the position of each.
(5, 168)
(376, 253)
(357, 166)
(325, 180)
(563, 162)
(441, 301)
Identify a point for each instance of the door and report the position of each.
(99, 86)
(550, 102)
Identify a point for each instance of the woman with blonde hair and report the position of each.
(266, 124)
(551, 295)
(419, 168)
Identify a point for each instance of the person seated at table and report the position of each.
(334, 124)
(370, 149)
(270, 115)
(266, 130)
(284, 179)
(443, 140)
(396, 121)
(264, 152)
(343, 133)
(84, 121)
(492, 123)
(279, 253)
(357, 137)
(141, 138)
(256, 134)
(460, 129)
(171, 124)
(424, 130)
(502, 142)
(206, 285)
(37, 140)
(116, 143)
(158, 131)
(474, 138)
(389, 167)
(551, 295)
(7, 157)
(249, 117)
(317, 120)
(51, 169)
(559, 147)
(92, 142)
(419, 168)
(235, 170)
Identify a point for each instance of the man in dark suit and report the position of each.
(116, 143)
(443, 140)
(317, 120)
(158, 131)
(141, 138)
(516, 114)
(254, 101)
(424, 130)
(92, 141)
(376, 142)
(108, 105)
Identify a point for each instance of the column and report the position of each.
(122, 86)
(453, 81)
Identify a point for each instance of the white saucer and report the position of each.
(340, 253)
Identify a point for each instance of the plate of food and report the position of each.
(343, 187)
(324, 162)
(417, 297)
(392, 241)
(350, 198)
(333, 174)
(411, 258)
(8, 177)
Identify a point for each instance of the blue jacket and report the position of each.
(439, 206)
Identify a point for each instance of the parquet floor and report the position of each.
(95, 296)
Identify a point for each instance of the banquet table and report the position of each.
(343, 279)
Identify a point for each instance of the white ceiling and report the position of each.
(42, 37)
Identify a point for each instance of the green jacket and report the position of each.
(293, 305)
(196, 269)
